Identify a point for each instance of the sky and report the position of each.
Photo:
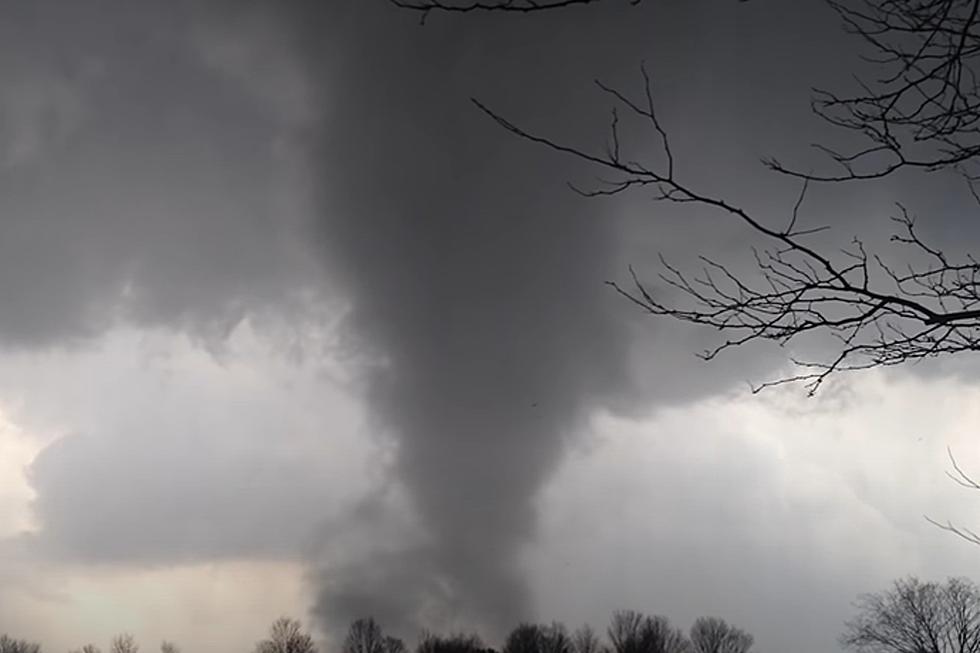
(289, 327)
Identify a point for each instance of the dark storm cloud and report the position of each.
(136, 183)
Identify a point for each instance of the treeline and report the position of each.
(628, 632)
(911, 617)
(124, 643)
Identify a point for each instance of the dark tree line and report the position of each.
(123, 643)
(628, 632)
(912, 616)
(11, 645)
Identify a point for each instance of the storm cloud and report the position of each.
(274, 290)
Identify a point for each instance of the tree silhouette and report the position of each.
(169, 647)
(11, 645)
(286, 636)
(915, 617)
(524, 638)
(124, 643)
(919, 109)
(585, 640)
(713, 635)
(456, 643)
(632, 632)
(555, 639)
(366, 636)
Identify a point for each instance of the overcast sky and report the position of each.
(288, 327)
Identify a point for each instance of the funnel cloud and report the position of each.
(483, 305)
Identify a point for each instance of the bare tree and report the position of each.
(11, 645)
(919, 110)
(632, 632)
(286, 636)
(713, 635)
(124, 643)
(916, 617)
(524, 638)
(584, 640)
(364, 636)
(624, 630)
(555, 639)
(169, 647)
(538, 638)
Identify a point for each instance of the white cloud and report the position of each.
(17, 450)
(163, 453)
(772, 511)
(225, 606)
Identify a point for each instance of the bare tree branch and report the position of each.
(424, 7)
(963, 479)
(922, 108)
(879, 314)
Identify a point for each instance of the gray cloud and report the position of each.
(140, 182)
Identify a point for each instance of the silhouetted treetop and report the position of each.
(124, 643)
(713, 635)
(286, 636)
(917, 617)
(585, 640)
(456, 643)
(632, 632)
(10, 645)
